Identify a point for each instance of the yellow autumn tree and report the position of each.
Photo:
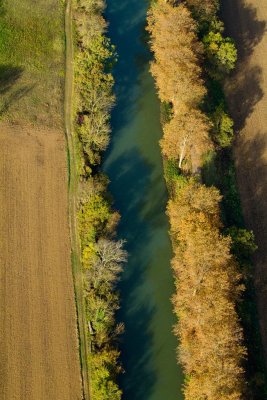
(211, 349)
(207, 276)
(177, 54)
(186, 134)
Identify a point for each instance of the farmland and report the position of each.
(32, 61)
(248, 103)
(38, 335)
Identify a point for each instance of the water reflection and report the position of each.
(134, 166)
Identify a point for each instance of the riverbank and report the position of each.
(97, 256)
(73, 180)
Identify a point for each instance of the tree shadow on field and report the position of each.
(252, 167)
(9, 76)
(247, 35)
(244, 91)
(252, 156)
(2, 8)
(243, 88)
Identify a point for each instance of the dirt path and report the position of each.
(38, 339)
(246, 21)
(73, 188)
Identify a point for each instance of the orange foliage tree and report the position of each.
(186, 133)
(177, 53)
(177, 71)
(208, 288)
(207, 276)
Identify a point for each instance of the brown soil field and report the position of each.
(246, 21)
(39, 357)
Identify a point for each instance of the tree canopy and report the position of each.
(177, 53)
(207, 277)
(208, 287)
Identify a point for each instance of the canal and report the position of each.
(134, 166)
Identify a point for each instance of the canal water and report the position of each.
(134, 166)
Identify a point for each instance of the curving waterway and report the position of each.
(134, 166)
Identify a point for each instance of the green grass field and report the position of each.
(32, 61)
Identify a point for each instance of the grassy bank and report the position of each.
(84, 342)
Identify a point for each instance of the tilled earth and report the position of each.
(246, 21)
(38, 338)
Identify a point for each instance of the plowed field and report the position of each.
(246, 21)
(39, 358)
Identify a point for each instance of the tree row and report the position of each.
(191, 58)
(102, 255)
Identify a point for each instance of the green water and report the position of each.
(134, 166)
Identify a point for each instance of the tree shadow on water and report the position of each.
(132, 182)
(133, 55)
(139, 376)
(140, 196)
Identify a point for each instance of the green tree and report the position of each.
(203, 10)
(104, 369)
(92, 217)
(221, 53)
(223, 127)
(243, 244)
